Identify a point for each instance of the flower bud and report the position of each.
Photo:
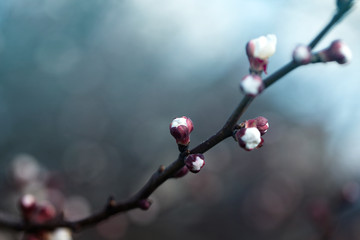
(44, 212)
(144, 204)
(180, 129)
(338, 51)
(259, 50)
(302, 55)
(194, 162)
(252, 85)
(27, 206)
(262, 124)
(249, 138)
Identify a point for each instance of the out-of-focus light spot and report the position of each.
(171, 193)
(142, 217)
(35, 188)
(55, 197)
(76, 207)
(25, 168)
(7, 236)
(113, 228)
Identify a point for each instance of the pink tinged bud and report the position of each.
(262, 125)
(259, 50)
(180, 129)
(249, 138)
(250, 123)
(302, 55)
(182, 172)
(45, 212)
(194, 162)
(338, 51)
(27, 206)
(144, 204)
(251, 85)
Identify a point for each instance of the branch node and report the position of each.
(183, 148)
(144, 204)
(111, 203)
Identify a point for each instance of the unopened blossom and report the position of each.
(259, 50)
(252, 85)
(27, 206)
(338, 51)
(249, 138)
(261, 123)
(180, 129)
(39, 213)
(302, 55)
(44, 212)
(194, 162)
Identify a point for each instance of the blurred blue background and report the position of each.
(89, 87)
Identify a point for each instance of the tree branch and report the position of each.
(162, 174)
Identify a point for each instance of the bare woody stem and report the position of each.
(162, 174)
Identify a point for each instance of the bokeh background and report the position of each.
(88, 89)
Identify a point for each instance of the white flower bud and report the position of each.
(302, 55)
(194, 162)
(249, 138)
(259, 50)
(251, 85)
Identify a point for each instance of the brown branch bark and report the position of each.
(160, 176)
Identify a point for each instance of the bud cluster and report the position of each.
(258, 51)
(38, 213)
(249, 136)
